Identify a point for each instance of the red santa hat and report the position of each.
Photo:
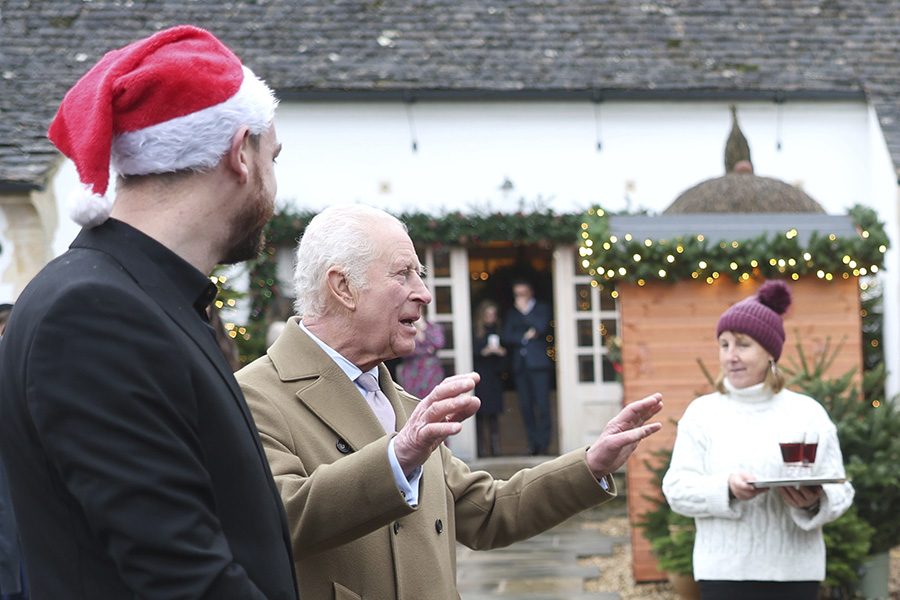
(168, 102)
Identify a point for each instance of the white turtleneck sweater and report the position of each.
(761, 539)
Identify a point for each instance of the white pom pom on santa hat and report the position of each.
(173, 73)
(87, 208)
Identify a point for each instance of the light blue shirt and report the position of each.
(409, 488)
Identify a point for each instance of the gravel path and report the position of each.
(615, 570)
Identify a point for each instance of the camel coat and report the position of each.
(354, 536)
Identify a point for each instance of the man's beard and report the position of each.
(247, 227)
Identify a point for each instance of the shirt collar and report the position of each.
(346, 366)
(197, 288)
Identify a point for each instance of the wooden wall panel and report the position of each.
(667, 328)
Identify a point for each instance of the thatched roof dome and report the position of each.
(739, 190)
(743, 193)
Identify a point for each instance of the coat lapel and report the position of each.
(322, 386)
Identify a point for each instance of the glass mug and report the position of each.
(810, 446)
(798, 452)
(791, 445)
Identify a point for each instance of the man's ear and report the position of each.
(339, 287)
(239, 154)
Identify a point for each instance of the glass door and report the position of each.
(447, 276)
(588, 351)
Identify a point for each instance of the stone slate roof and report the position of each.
(467, 49)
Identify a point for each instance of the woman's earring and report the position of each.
(774, 372)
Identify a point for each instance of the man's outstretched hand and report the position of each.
(437, 417)
(622, 434)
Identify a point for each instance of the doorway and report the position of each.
(493, 269)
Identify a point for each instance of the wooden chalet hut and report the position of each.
(719, 241)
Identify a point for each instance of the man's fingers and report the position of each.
(456, 409)
(647, 407)
(429, 425)
(643, 409)
(635, 414)
(453, 386)
(616, 442)
(638, 433)
(650, 428)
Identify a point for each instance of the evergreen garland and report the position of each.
(458, 229)
(543, 227)
(607, 257)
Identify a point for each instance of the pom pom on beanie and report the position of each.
(760, 316)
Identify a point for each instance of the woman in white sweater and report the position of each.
(754, 543)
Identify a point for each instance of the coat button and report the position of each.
(438, 526)
(343, 447)
(396, 527)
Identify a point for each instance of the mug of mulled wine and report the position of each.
(791, 444)
(810, 445)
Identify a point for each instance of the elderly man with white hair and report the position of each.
(375, 501)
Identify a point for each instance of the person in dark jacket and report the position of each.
(135, 467)
(490, 364)
(12, 580)
(525, 334)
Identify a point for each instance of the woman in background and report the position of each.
(490, 363)
(420, 371)
(754, 542)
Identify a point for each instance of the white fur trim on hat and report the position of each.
(196, 141)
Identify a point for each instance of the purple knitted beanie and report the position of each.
(759, 316)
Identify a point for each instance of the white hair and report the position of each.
(197, 141)
(342, 235)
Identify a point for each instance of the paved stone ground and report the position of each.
(544, 567)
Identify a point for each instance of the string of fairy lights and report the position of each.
(540, 225)
(608, 257)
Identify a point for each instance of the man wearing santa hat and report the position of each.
(135, 468)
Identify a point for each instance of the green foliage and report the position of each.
(655, 523)
(671, 535)
(458, 229)
(869, 431)
(872, 310)
(540, 225)
(847, 542)
(691, 256)
(674, 552)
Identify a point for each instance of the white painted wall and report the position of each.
(345, 152)
(649, 153)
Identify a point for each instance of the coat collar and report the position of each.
(324, 388)
(129, 247)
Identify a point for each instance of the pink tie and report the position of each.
(381, 406)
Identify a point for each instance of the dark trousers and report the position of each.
(533, 387)
(759, 590)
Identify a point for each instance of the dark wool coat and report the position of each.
(134, 464)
